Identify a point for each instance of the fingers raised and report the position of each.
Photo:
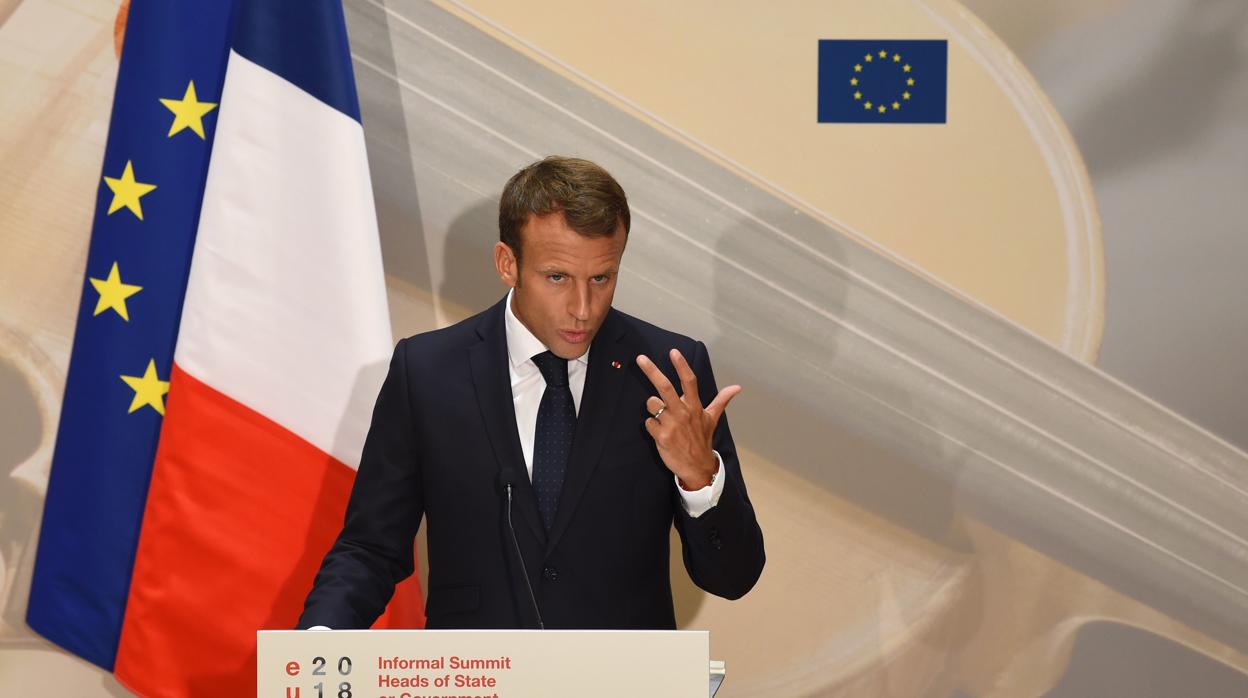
(688, 381)
(660, 381)
(720, 403)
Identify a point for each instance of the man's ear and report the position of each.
(505, 264)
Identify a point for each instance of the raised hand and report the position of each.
(680, 426)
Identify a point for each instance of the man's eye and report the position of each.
(600, 278)
(555, 277)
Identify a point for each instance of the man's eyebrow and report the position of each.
(553, 269)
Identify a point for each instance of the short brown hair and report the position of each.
(592, 202)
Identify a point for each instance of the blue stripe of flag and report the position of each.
(313, 54)
(103, 456)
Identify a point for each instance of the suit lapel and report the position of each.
(492, 383)
(600, 399)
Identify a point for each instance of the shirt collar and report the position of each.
(522, 344)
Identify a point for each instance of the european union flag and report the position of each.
(146, 215)
(882, 81)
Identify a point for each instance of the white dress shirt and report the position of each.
(528, 384)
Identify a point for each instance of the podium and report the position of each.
(485, 664)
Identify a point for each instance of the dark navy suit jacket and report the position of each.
(443, 435)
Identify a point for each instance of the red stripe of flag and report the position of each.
(239, 514)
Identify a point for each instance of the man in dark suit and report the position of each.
(550, 442)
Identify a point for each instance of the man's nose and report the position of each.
(580, 304)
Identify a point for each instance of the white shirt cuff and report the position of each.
(320, 627)
(698, 502)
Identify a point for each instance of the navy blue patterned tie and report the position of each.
(552, 439)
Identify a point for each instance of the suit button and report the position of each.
(550, 574)
(716, 542)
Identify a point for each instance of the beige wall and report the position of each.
(994, 203)
(859, 597)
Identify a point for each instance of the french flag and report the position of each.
(231, 339)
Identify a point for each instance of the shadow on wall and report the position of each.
(1183, 88)
(404, 250)
(468, 277)
(20, 503)
(780, 325)
(30, 396)
(794, 409)
(1112, 659)
(789, 410)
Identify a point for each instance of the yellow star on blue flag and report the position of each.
(188, 112)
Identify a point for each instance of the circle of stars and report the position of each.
(882, 57)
